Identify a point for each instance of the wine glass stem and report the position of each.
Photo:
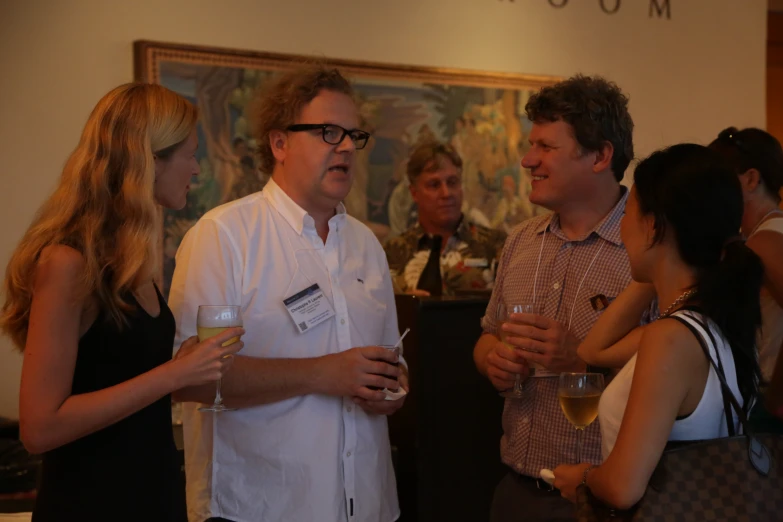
(518, 383)
(218, 396)
(579, 433)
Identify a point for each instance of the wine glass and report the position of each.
(211, 320)
(504, 311)
(579, 395)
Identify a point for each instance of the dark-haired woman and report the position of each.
(679, 229)
(757, 159)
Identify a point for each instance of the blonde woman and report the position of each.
(95, 331)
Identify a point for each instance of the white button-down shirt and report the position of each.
(308, 458)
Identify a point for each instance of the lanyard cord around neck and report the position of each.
(538, 264)
(578, 288)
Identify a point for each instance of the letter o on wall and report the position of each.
(607, 10)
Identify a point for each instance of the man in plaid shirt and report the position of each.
(569, 265)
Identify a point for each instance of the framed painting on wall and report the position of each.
(480, 113)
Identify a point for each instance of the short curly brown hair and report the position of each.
(595, 108)
(428, 157)
(279, 102)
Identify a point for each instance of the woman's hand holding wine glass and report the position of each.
(212, 322)
(206, 362)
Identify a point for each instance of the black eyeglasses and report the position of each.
(334, 134)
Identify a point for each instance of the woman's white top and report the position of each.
(708, 419)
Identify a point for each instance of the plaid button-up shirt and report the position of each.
(572, 276)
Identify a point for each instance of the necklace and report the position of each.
(765, 216)
(683, 297)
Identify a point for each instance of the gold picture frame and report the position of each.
(480, 113)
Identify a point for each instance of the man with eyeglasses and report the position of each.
(309, 438)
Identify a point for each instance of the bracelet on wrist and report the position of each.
(587, 470)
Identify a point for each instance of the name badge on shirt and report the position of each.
(475, 262)
(539, 371)
(308, 308)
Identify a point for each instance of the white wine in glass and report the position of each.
(503, 313)
(211, 320)
(579, 395)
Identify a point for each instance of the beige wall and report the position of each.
(688, 77)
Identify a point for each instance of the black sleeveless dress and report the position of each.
(130, 470)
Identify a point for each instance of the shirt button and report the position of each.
(348, 454)
(349, 408)
(342, 321)
(556, 286)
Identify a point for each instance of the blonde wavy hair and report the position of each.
(104, 205)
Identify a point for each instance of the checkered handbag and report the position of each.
(737, 478)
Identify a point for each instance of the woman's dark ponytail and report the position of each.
(728, 293)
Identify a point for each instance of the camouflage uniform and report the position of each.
(467, 261)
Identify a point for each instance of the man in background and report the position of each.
(468, 251)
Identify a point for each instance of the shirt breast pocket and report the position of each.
(367, 310)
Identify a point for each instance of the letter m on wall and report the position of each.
(661, 8)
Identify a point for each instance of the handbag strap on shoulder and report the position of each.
(729, 400)
(758, 454)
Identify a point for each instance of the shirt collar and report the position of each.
(463, 229)
(608, 228)
(295, 215)
(422, 238)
